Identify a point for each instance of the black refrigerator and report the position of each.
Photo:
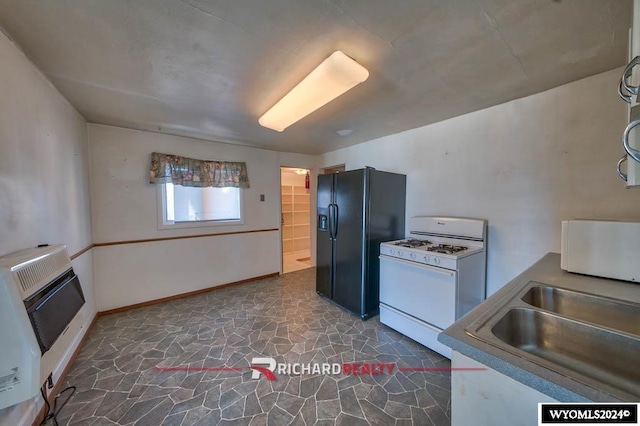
(357, 210)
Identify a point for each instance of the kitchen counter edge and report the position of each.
(560, 387)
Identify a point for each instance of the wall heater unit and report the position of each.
(40, 297)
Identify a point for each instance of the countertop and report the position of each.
(546, 270)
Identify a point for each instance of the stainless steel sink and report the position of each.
(567, 345)
(612, 313)
(589, 338)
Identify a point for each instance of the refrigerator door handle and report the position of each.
(335, 221)
(330, 207)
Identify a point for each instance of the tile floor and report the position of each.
(118, 381)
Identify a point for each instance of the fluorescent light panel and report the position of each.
(334, 76)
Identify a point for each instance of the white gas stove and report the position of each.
(427, 252)
(433, 277)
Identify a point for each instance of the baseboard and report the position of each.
(183, 295)
(57, 387)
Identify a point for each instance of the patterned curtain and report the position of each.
(166, 168)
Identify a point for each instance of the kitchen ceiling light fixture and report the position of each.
(333, 77)
(301, 171)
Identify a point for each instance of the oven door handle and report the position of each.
(441, 271)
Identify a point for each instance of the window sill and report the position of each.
(199, 224)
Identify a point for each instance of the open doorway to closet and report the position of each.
(296, 219)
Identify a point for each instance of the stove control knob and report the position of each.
(412, 255)
(436, 261)
(392, 251)
(399, 252)
(427, 258)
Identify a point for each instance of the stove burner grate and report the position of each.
(446, 248)
(412, 243)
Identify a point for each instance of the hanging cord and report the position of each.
(48, 414)
(53, 413)
(56, 410)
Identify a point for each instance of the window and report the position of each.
(186, 206)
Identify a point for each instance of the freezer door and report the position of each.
(385, 219)
(324, 241)
(349, 279)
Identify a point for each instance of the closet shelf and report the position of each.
(296, 233)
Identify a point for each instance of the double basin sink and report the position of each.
(589, 338)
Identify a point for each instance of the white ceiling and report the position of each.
(210, 68)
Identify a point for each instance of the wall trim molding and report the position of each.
(183, 295)
(151, 240)
(57, 387)
(81, 252)
(180, 237)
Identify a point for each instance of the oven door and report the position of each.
(422, 291)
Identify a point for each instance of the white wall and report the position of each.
(525, 166)
(125, 209)
(44, 186)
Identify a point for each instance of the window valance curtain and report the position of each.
(167, 168)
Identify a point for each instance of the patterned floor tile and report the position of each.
(206, 343)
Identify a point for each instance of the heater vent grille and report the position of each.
(33, 276)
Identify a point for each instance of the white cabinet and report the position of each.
(489, 398)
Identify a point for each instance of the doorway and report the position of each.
(296, 219)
